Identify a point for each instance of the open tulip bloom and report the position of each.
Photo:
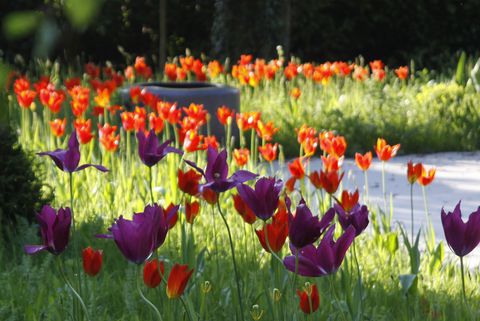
(216, 172)
(139, 237)
(55, 230)
(356, 217)
(68, 159)
(324, 259)
(263, 200)
(304, 228)
(149, 149)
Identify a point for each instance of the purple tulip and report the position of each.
(149, 149)
(217, 171)
(139, 237)
(357, 217)
(263, 200)
(461, 237)
(304, 228)
(67, 160)
(324, 260)
(55, 230)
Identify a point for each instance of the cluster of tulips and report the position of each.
(317, 246)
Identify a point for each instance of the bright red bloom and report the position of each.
(135, 95)
(295, 93)
(141, 68)
(199, 70)
(248, 120)
(170, 71)
(25, 98)
(192, 141)
(379, 74)
(140, 118)
(309, 299)
(242, 208)
(156, 123)
(266, 130)
(363, 161)
(427, 177)
(21, 84)
(191, 210)
(245, 59)
(330, 181)
(80, 100)
(305, 132)
(241, 156)
(189, 181)
(153, 272)
(402, 72)
(129, 73)
(84, 130)
(72, 82)
(172, 220)
(102, 98)
(210, 141)
(43, 83)
(92, 70)
(128, 121)
(315, 179)
(225, 115)
(414, 171)
(53, 99)
(277, 230)
(336, 145)
(291, 71)
(107, 137)
(148, 99)
(210, 196)
(197, 113)
(187, 63)
(92, 261)
(376, 64)
(57, 127)
(331, 163)
(349, 200)
(269, 151)
(177, 280)
(309, 146)
(385, 152)
(297, 168)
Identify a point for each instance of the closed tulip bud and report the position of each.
(92, 261)
(153, 272)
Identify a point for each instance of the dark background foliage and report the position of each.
(428, 31)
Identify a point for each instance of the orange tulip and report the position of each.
(57, 126)
(295, 93)
(414, 172)
(349, 200)
(107, 137)
(297, 168)
(331, 163)
(309, 146)
(305, 132)
(156, 123)
(427, 177)
(177, 280)
(266, 130)
(330, 181)
(92, 261)
(84, 130)
(21, 84)
(384, 151)
(170, 71)
(25, 98)
(52, 99)
(191, 141)
(402, 72)
(210, 141)
(336, 145)
(269, 151)
(225, 115)
(153, 272)
(241, 156)
(80, 100)
(363, 161)
(309, 299)
(247, 120)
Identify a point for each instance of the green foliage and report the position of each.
(21, 192)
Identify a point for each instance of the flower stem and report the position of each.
(463, 281)
(150, 177)
(186, 309)
(75, 240)
(384, 190)
(366, 186)
(237, 278)
(360, 285)
(411, 208)
(159, 316)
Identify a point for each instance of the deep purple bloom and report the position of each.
(263, 200)
(357, 217)
(67, 159)
(55, 230)
(149, 149)
(462, 237)
(324, 260)
(304, 228)
(217, 171)
(139, 237)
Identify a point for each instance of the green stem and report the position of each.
(186, 309)
(384, 191)
(150, 177)
(332, 289)
(463, 281)
(411, 209)
(366, 186)
(75, 240)
(360, 285)
(139, 289)
(237, 278)
(65, 279)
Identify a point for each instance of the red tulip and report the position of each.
(191, 210)
(414, 171)
(245, 212)
(349, 200)
(384, 151)
(241, 156)
(269, 151)
(427, 177)
(153, 274)
(92, 261)
(277, 230)
(363, 161)
(309, 299)
(330, 181)
(188, 181)
(84, 130)
(177, 280)
(225, 115)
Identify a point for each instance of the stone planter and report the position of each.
(211, 96)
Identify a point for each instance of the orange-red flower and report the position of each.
(172, 220)
(349, 200)
(84, 130)
(242, 208)
(210, 141)
(153, 272)
(402, 72)
(336, 145)
(210, 196)
(309, 299)
(21, 84)
(295, 93)
(107, 137)
(290, 71)
(92, 261)
(247, 120)
(191, 141)
(297, 168)
(331, 163)
(57, 127)
(305, 132)
(384, 151)
(269, 151)
(171, 71)
(141, 68)
(414, 171)
(80, 100)
(277, 230)
(241, 156)
(72, 82)
(52, 99)
(25, 98)
(363, 161)
(360, 73)
(177, 280)
(225, 115)
(330, 181)
(309, 146)
(191, 210)
(156, 122)
(102, 98)
(92, 70)
(187, 63)
(128, 121)
(214, 69)
(189, 181)
(266, 130)
(139, 118)
(377, 64)
(197, 113)
(315, 179)
(427, 177)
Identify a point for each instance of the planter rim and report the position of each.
(183, 86)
